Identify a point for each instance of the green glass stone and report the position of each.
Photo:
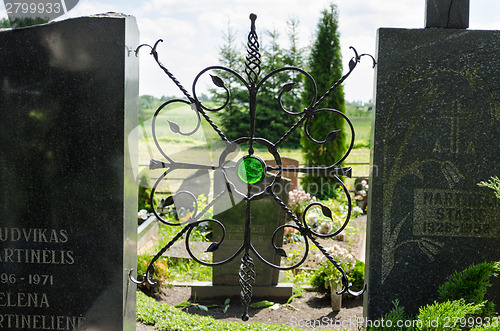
(251, 170)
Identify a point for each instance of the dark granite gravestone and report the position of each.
(68, 197)
(267, 215)
(436, 127)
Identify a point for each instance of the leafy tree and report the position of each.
(4, 23)
(233, 117)
(147, 101)
(271, 123)
(325, 65)
(21, 22)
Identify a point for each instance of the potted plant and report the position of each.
(328, 278)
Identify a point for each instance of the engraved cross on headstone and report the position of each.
(455, 114)
(448, 14)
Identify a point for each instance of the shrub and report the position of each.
(461, 305)
(449, 315)
(471, 285)
(391, 319)
(144, 194)
(494, 184)
(357, 276)
(298, 201)
(160, 276)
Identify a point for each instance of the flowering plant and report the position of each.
(361, 194)
(328, 274)
(298, 201)
(291, 235)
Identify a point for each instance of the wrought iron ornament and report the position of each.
(251, 169)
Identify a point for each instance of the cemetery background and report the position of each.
(450, 171)
(205, 146)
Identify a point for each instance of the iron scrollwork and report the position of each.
(253, 85)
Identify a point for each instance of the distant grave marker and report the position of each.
(266, 217)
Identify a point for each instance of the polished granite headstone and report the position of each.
(68, 198)
(436, 129)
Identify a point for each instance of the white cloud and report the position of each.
(192, 30)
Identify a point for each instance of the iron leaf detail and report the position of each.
(288, 87)
(281, 252)
(326, 211)
(212, 248)
(169, 201)
(332, 135)
(155, 164)
(352, 64)
(174, 127)
(217, 81)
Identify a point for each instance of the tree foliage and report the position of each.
(271, 123)
(21, 22)
(4, 23)
(325, 66)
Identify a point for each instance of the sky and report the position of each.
(193, 30)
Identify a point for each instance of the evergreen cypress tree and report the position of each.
(325, 66)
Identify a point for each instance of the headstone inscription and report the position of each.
(437, 116)
(68, 197)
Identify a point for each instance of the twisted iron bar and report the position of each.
(252, 64)
(247, 279)
(252, 69)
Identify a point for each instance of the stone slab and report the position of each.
(449, 14)
(147, 234)
(206, 290)
(68, 197)
(436, 126)
(267, 216)
(287, 162)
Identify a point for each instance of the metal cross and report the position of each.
(251, 169)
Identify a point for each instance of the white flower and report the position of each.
(325, 228)
(357, 210)
(142, 214)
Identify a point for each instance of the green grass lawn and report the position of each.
(362, 127)
(205, 146)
